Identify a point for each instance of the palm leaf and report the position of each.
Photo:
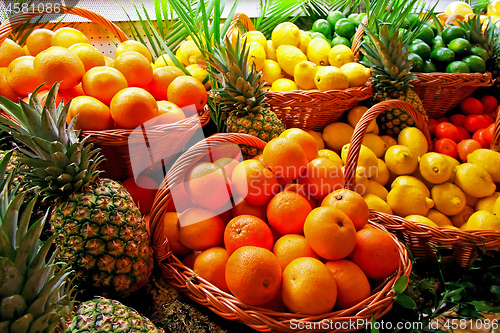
(273, 12)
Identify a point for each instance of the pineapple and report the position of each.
(391, 77)
(106, 315)
(99, 229)
(243, 98)
(35, 294)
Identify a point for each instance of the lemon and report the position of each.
(389, 140)
(304, 41)
(256, 55)
(304, 74)
(482, 220)
(474, 180)
(188, 53)
(355, 114)
(361, 179)
(284, 84)
(372, 187)
(412, 181)
(199, 72)
(435, 168)
(471, 201)
(376, 130)
(162, 61)
(382, 175)
(458, 7)
(487, 203)
(317, 51)
(336, 135)
(339, 55)
(377, 203)
(462, 217)
(329, 77)
(439, 218)
(357, 74)
(407, 200)
(448, 198)
(270, 50)
(288, 57)
(319, 139)
(401, 160)
(454, 163)
(421, 219)
(413, 138)
(331, 155)
(255, 36)
(285, 33)
(488, 159)
(375, 144)
(271, 71)
(496, 207)
(366, 159)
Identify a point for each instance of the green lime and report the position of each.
(479, 51)
(426, 34)
(452, 32)
(420, 48)
(418, 62)
(433, 27)
(322, 26)
(345, 28)
(333, 17)
(429, 67)
(443, 54)
(417, 40)
(414, 19)
(340, 40)
(354, 18)
(437, 42)
(457, 67)
(316, 34)
(406, 23)
(459, 46)
(475, 63)
(361, 16)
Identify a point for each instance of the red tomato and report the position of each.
(464, 134)
(447, 146)
(490, 118)
(446, 130)
(443, 119)
(475, 122)
(458, 119)
(471, 105)
(481, 137)
(489, 102)
(432, 126)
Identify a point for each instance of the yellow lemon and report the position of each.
(412, 181)
(471, 201)
(496, 207)
(376, 203)
(357, 74)
(488, 203)
(339, 55)
(474, 180)
(454, 163)
(435, 168)
(271, 71)
(255, 36)
(288, 57)
(366, 159)
(304, 39)
(336, 135)
(375, 144)
(372, 187)
(389, 140)
(317, 51)
(376, 130)
(199, 72)
(163, 60)
(329, 77)
(488, 159)
(448, 198)
(493, 8)
(401, 160)
(361, 179)
(458, 7)
(319, 139)
(482, 220)
(285, 33)
(407, 200)
(133, 45)
(439, 218)
(256, 55)
(284, 85)
(331, 155)
(270, 50)
(304, 74)
(462, 217)
(383, 174)
(188, 53)
(355, 114)
(413, 138)
(421, 219)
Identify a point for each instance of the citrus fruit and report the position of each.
(271, 71)
(287, 212)
(465, 147)
(322, 26)
(448, 198)
(435, 168)
(169, 113)
(288, 56)
(200, 229)
(451, 32)
(412, 181)
(377, 189)
(352, 284)
(375, 202)
(355, 114)
(321, 177)
(135, 67)
(89, 55)
(350, 203)
(458, 7)
(22, 77)
(188, 53)
(163, 60)
(333, 16)
(414, 139)
(366, 159)
(255, 36)
(284, 84)
(383, 174)
(345, 28)
(10, 50)
(39, 40)
(462, 217)
(490, 103)
(253, 182)
(318, 51)
(487, 203)
(474, 180)
(439, 218)
(271, 50)
(357, 74)
(92, 114)
(331, 155)
(59, 64)
(242, 207)
(426, 34)
(170, 222)
(457, 67)
(186, 91)
(5, 89)
(131, 107)
(290, 247)
(285, 33)
(339, 40)
(210, 264)
(285, 158)
(330, 77)
(421, 219)
(407, 200)
(103, 83)
(442, 55)
(133, 45)
(421, 49)
(162, 77)
(375, 143)
(401, 160)
(304, 139)
(67, 36)
(482, 220)
(256, 55)
(488, 159)
(460, 46)
(247, 230)
(336, 135)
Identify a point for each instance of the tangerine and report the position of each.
(200, 229)
(171, 228)
(89, 55)
(465, 147)
(290, 247)
(246, 230)
(58, 64)
(133, 45)
(242, 207)
(103, 83)
(10, 50)
(162, 77)
(169, 113)
(67, 36)
(187, 91)
(131, 107)
(287, 212)
(5, 89)
(22, 78)
(322, 177)
(352, 284)
(211, 266)
(135, 67)
(351, 203)
(285, 158)
(39, 40)
(304, 139)
(253, 182)
(92, 114)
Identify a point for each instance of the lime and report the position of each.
(340, 40)
(354, 19)
(333, 17)
(418, 62)
(459, 46)
(420, 48)
(437, 42)
(361, 16)
(315, 34)
(457, 67)
(417, 40)
(414, 19)
(406, 23)
(452, 32)
(475, 63)
(426, 34)
(443, 54)
(479, 51)
(345, 28)
(433, 27)
(429, 67)
(322, 26)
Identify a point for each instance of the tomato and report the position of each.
(446, 130)
(458, 119)
(432, 126)
(481, 137)
(490, 103)
(490, 132)
(443, 119)
(471, 105)
(490, 118)
(464, 134)
(447, 146)
(475, 122)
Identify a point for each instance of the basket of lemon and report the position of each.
(429, 202)
(106, 98)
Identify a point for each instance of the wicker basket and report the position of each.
(114, 143)
(495, 142)
(226, 305)
(425, 242)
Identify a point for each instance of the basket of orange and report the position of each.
(124, 106)
(259, 251)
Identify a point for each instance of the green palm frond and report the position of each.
(316, 9)
(273, 12)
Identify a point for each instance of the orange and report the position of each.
(39, 40)
(133, 45)
(92, 114)
(287, 212)
(352, 284)
(108, 61)
(300, 189)
(135, 67)
(143, 191)
(5, 89)
(89, 55)
(211, 266)
(58, 64)
(304, 139)
(171, 229)
(189, 258)
(75, 91)
(248, 230)
(467, 146)
(67, 36)
(200, 229)
(187, 91)
(207, 186)
(285, 157)
(330, 233)
(162, 77)
(224, 149)
(22, 78)
(242, 207)
(253, 275)
(60, 97)
(179, 201)
(351, 203)
(376, 253)
(227, 164)
(322, 176)
(10, 50)
(308, 287)
(253, 182)
(131, 107)
(103, 83)
(169, 113)
(290, 247)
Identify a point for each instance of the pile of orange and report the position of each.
(278, 231)
(124, 92)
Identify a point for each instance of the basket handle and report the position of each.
(495, 143)
(358, 37)
(176, 175)
(360, 130)
(20, 18)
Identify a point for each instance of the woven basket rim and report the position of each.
(367, 89)
(437, 79)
